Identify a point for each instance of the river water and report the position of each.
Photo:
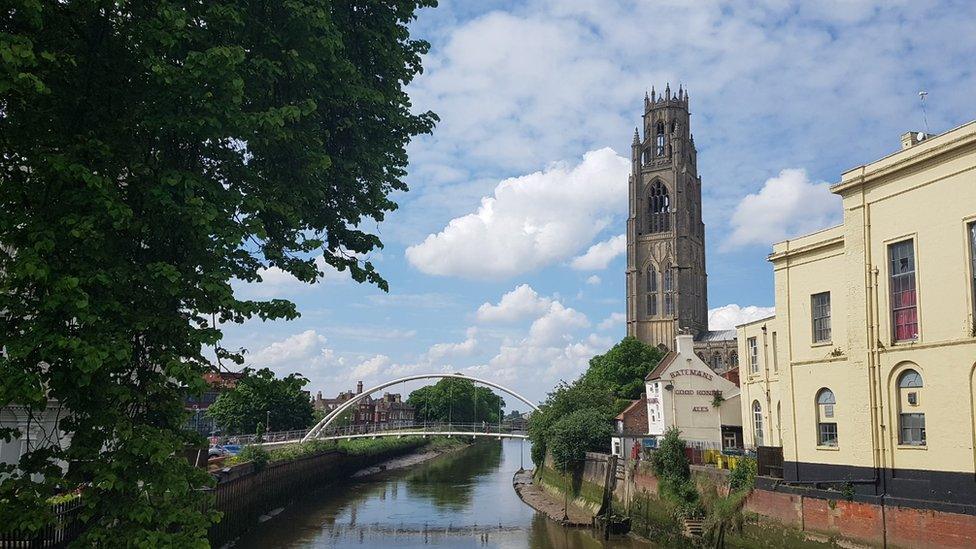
(460, 500)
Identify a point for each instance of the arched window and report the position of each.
(826, 424)
(911, 418)
(660, 139)
(716, 361)
(734, 359)
(757, 422)
(659, 209)
(668, 276)
(651, 290)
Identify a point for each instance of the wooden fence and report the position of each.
(769, 461)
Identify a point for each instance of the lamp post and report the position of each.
(267, 421)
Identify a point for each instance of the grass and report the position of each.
(365, 447)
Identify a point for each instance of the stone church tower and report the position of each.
(666, 280)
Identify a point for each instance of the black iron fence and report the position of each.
(67, 526)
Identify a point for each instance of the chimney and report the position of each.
(910, 139)
(359, 388)
(685, 344)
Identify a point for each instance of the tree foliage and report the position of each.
(571, 436)
(563, 401)
(150, 154)
(261, 398)
(456, 400)
(622, 369)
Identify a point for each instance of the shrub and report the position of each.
(743, 477)
(577, 433)
(255, 454)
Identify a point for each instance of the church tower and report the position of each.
(666, 281)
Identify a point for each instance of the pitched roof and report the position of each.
(666, 361)
(716, 335)
(633, 405)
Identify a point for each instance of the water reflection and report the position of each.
(447, 482)
(459, 500)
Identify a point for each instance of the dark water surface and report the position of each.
(464, 499)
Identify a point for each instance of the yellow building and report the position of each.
(762, 407)
(872, 352)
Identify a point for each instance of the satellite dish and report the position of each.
(920, 136)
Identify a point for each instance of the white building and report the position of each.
(683, 391)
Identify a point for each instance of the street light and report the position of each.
(267, 421)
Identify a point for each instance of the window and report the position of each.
(821, 317)
(911, 419)
(733, 359)
(972, 267)
(753, 355)
(826, 424)
(904, 312)
(716, 362)
(651, 288)
(659, 209)
(668, 276)
(660, 139)
(757, 422)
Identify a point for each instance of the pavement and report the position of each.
(552, 506)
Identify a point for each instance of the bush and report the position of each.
(577, 433)
(669, 461)
(674, 474)
(743, 477)
(255, 454)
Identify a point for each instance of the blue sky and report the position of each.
(504, 259)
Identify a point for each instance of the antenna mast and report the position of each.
(925, 119)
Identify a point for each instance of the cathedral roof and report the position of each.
(716, 335)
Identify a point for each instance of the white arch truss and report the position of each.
(334, 414)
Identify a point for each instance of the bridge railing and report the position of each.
(423, 427)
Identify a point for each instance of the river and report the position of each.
(459, 500)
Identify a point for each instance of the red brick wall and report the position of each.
(864, 522)
(918, 528)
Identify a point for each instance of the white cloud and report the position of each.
(730, 316)
(612, 321)
(593, 280)
(519, 303)
(276, 282)
(440, 351)
(293, 348)
(787, 205)
(556, 325)
(530, 221)
(600, 254)
(368, 368)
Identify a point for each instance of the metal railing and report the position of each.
(423, 427)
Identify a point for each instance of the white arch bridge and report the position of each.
(327, 430)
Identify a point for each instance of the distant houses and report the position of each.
(388, 410)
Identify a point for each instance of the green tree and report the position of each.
(571, 436)
(623, 368)
(456, 400)
(261, 398)
(564, 400)
(150, 154)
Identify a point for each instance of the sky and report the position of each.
(506, 258)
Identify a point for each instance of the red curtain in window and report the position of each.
(906, 315)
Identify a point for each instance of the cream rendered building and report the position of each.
(874, 353)
(762, 406)
(681, 393)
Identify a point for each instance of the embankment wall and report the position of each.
(820, 514)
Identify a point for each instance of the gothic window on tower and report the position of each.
(668, 276)
(659, 216)
(660, 139)
(651, 287)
